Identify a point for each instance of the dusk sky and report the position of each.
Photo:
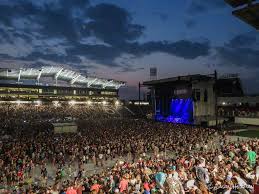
(122, 39)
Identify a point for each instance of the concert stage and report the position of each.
(183, 99)
(181, 111)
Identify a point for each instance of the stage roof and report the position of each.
(186, 78)
(58, 74)
(249, 14)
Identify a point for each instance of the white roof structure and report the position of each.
(58, 73)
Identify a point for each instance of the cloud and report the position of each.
(245, 57)
(112, 24)
(65, 31)
(107, 55)
(129, 68)
(203, 6)
(244, 40)
(183, 48)
(242, 50)
(34, 56)
(100, 53)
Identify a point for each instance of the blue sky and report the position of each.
(122, 39)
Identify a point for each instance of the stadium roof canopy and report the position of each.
(58, 74)
(249, 14)
(248, 11)
(237, 3)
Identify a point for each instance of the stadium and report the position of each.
(72, 86)
(65, 131)
(58, 107)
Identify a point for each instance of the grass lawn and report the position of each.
(249, 133)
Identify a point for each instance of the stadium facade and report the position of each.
(55, 84)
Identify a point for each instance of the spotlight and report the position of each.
(104, 102)
(223, 103)
(117, 102)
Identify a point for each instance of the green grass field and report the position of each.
(249, 133)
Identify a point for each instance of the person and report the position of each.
(201, 176)
(173, 185)
(95, 187)
(71, 190)
(251, 157)
(123, 184)
(160, 178)
(79, 188)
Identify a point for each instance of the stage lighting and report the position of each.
(117, 102)
(104, 102)
(223, 103)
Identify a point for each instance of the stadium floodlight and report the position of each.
(237, 3)
(72, 102)
(104, 102)
(89, 102)
(56, 103)
(38, 102)
(249, 14)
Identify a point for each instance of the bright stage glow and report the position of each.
(181, 111)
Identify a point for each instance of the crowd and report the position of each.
(252, 112)
(150, 157)
(23, 116)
